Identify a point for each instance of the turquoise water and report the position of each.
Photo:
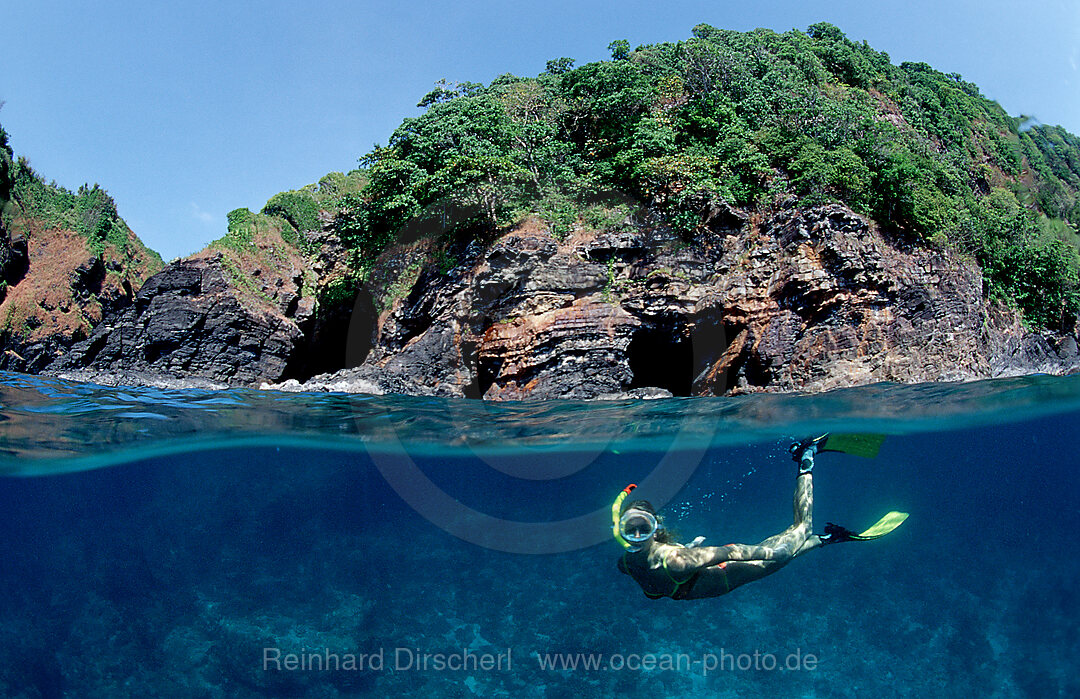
(196, 543)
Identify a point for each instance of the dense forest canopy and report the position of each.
(762, 121)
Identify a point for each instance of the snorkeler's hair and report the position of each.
(643, 505)
(662, 535)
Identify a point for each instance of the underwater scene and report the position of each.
(257, 544)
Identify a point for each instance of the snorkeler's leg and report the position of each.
(802, 502)
(797, 538)
(777, 550)
(812, 542)
(803, 506)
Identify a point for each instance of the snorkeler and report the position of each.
(664, 568)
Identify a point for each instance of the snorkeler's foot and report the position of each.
(803, 452)
(834, 534)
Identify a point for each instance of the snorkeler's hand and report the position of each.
(696, 542)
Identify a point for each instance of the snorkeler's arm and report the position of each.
(683, 561)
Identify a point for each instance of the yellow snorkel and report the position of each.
(615, 512)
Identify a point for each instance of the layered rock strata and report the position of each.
(808, 300)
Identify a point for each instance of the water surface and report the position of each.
(169, 543)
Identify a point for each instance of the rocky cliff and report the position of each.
(57, 286)
(67, 260)
(808, 300)
(238, 313)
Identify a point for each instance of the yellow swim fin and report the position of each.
(834, 533)
(856, 444)
(883, 526)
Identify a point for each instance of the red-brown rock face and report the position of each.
(805, 301)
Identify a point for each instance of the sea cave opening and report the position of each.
(339, 337)
(663, 357)
(487, 370)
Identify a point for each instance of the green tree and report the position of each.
(620, 50)
(559, 66)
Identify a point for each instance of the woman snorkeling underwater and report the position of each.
(664, 568)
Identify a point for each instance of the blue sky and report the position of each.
(185, 111)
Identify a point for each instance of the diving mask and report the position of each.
(636, 526)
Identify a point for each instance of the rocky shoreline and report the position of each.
(805, 300)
